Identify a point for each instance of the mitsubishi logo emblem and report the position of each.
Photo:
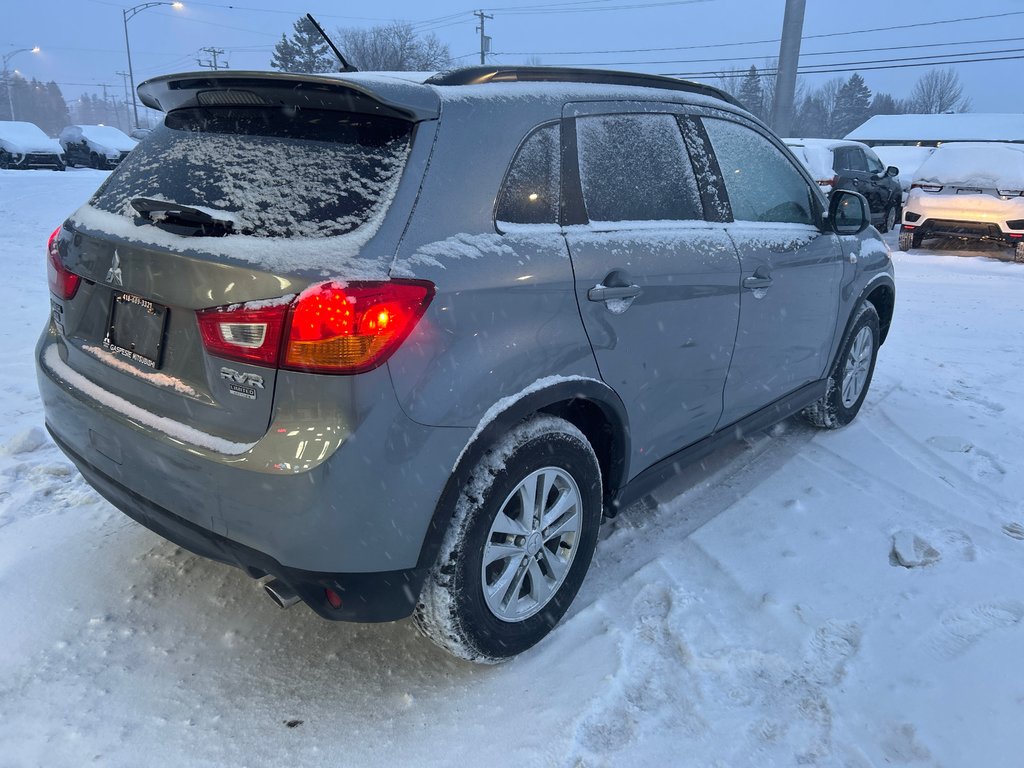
(114, 273)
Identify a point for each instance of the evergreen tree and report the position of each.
(885, 104)
(853, 105)
(305, 51)
(812, 119)
(751, 94)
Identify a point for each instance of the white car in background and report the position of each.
(970, 191)
(24, 145)
(96, 146)
(842, 164)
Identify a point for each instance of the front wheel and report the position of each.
(1018, 254)
(851, 375)
(523, 532)
(891, 217)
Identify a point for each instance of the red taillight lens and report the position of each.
(350, 328)
(331, 327)
(63, 284)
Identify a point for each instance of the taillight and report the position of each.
(63, 284)
(331, 327)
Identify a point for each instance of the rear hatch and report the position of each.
(255, 188)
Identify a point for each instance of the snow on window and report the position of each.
(636, 168)
(530, 194)
(762, 183)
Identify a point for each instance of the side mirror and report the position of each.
(848, 212)
(892, 171)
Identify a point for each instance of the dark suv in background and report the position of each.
(398, 347)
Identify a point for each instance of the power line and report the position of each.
(770, 72)
(629, 7)
(759, 42)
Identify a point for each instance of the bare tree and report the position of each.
(394, 47)
(938, 91)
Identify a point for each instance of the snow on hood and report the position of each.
(101, 137)
(987, 165)
(19, 138)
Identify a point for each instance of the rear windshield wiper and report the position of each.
(183, 219)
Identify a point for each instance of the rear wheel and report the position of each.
(851, 375)
(909, 240)
(521, 539)
(5, 159)
(891, 217)
(1018, 254)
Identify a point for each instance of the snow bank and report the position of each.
(20, 138)
(975, 164)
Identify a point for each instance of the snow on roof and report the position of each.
(19, 138)
(987, 165)
(102, 136)
(824, 143)
(955, 127)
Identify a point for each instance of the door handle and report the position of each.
(606, 293)
(758, 280)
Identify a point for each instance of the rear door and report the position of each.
(791, 269)
(656, 283)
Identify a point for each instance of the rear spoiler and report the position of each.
(352, 92)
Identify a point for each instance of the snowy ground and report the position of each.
(758, 616)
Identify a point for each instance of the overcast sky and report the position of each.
(82, 41)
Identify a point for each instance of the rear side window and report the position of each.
(530, 193)
(850, 159)
(635, 168)
(288, 172)
(762, 183)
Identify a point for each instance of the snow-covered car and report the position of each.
(971, 191)
(840, 164)
(24, 145)
(97, 146)
(907, 159)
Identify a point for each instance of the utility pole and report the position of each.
(212, 62)
(127, 111)
(789, 57)
(485, 41)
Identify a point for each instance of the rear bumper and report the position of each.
(356, 519)
(969, 230)
(369, 597)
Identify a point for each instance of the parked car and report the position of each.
(907, 159)
(95, 146)
(391, 368)
(24, 145)
(851, 165)
(970, 191)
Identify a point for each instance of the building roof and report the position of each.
(966, 126)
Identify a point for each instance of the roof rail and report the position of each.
(478, 75)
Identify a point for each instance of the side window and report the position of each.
(635, 168)
(842, 159)
(856, 161)
(530, 193)
(874, 164)
(762, 183)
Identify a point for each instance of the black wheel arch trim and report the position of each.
(554, 399)
(881, 280)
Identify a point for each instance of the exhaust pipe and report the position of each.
(281, 593)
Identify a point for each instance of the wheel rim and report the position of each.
(890, 220)
(531, 544)
(858, 364)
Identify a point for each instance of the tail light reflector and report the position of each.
(331, 327)
(63, 284)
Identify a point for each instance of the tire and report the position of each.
(850, 378)
(1018, 254)
(891, 218)
(909, 240)
(535, 580)
(96, 162)
(5, 160)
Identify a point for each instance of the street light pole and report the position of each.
(7, 77)
(127, 14)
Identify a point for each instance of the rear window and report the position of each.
(287, 172)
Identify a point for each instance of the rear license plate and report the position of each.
(136, 329)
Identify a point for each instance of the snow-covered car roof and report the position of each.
(977, 164)
(18, 137)
(105, 136)
(816, 155)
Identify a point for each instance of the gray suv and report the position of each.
(396, 348)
